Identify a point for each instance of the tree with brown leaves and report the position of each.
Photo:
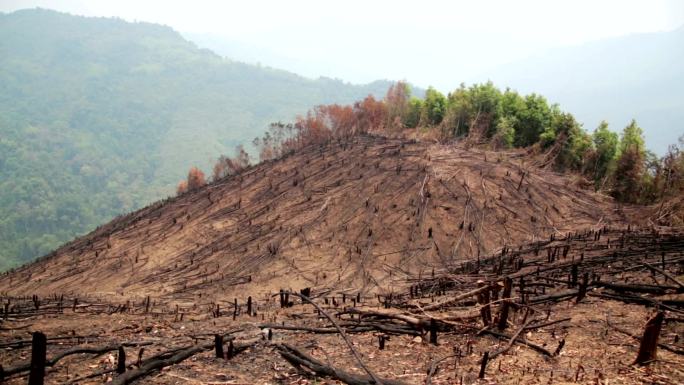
(195, 179)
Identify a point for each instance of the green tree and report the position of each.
(434, 107)
(632, 135)
(505, 132)
(532, 120)
(606, 148)
(629, 172)
(412, 117)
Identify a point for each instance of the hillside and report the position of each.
(395, 250)
(619, 79)
(99, 116)
(354, 213)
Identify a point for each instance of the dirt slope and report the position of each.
(357, 213)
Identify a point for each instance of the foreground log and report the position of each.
(153, 364)
(649, 342)
(356, 354)
(652, 289)
(456, 299)
(361, 327)
(665, 274)
(513, 339)
(300, 360)
(521, 342)
(416, 321)
(77, 350)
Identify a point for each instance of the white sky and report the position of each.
(440, 43)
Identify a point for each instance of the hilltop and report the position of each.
(99, 116)
(356, 212)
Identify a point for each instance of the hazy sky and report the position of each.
(440, 43)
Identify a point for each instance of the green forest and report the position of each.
(99, 116)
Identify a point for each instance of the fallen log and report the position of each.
(526, 343)
(418, 322)
(513, 339)
(356, 354)
(350, 328)
(77, 350)
(651, 289)
(433, 367)
(154, 364)
(299, 360)
(664, 273)
(668, 304)
(456, 299)
(553, 297)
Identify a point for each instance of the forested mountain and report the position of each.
(99, 116)
(631, 77)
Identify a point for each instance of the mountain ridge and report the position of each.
(99, 116)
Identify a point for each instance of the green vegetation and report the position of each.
(99, 117)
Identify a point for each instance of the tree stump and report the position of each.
(649, 342)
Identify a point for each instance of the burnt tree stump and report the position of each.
(38, 357)
(483, 365)
(121, 362)
(433, 331)
(649, 342)
(218, 345)
(503, 315)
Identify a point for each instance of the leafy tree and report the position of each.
(505, 133)
(606, 148)
(629, 173)
(485, 102)
(412, 117)
(632, 135)
(459, 112)
(531, 120)
(434, 107)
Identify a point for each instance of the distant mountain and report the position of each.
(638, 76)
(99, 116)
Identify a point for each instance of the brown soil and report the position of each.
(347, 215)
(403, 226)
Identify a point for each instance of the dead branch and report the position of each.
(299, 359)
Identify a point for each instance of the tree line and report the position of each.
(482, 114)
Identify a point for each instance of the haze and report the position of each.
(428, 43)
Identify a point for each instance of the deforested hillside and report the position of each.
(358, 212)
